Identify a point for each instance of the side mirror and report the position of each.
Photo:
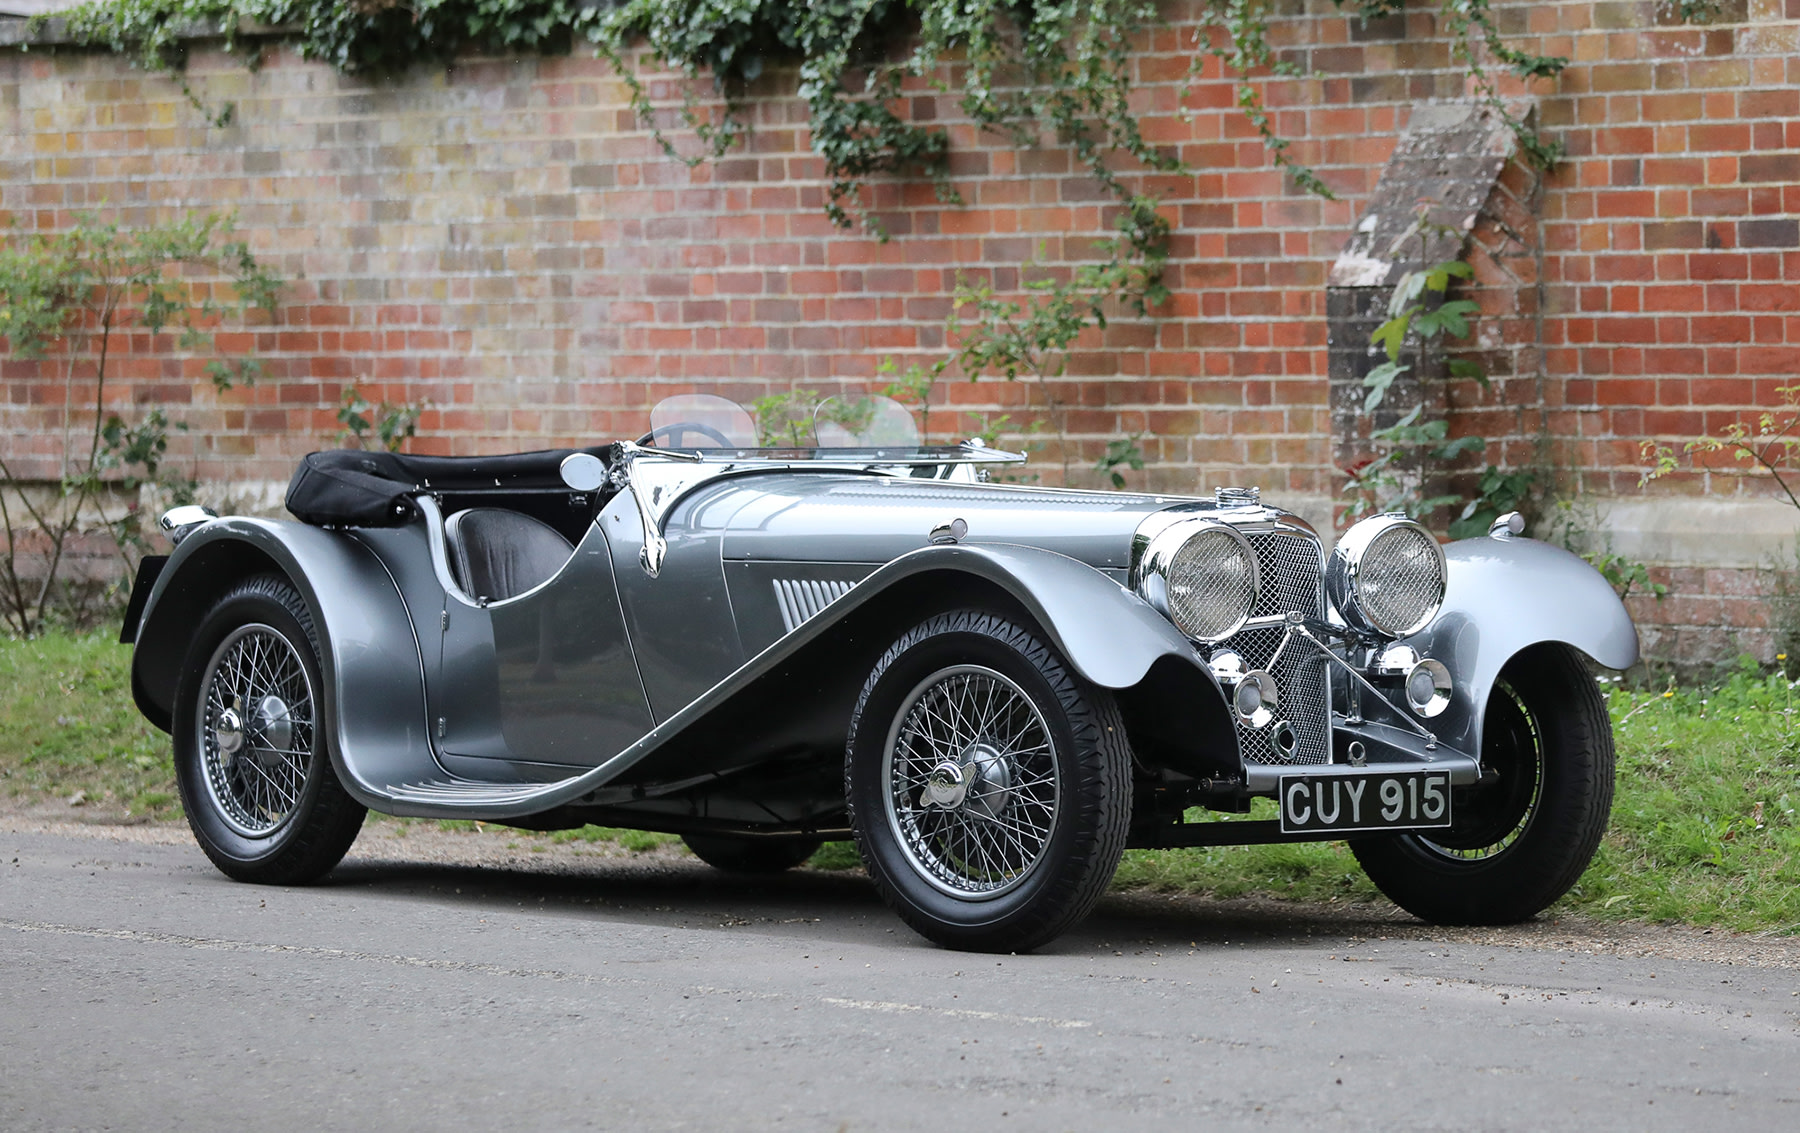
(583, 471)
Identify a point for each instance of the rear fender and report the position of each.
(1503, 596)
(373, 673)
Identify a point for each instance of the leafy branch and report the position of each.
(62, 298)
(1772, 445)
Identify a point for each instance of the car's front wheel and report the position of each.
(989, 787)
(250, 756)
(1525, 835)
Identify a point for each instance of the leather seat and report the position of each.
(499, 554)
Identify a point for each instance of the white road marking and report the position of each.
(952, 1012)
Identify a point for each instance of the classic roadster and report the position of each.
(994, 688)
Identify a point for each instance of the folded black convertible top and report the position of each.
(354, 488)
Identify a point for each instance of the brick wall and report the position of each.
(507, 242)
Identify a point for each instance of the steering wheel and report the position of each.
(681, 429)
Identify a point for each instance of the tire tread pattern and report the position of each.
(1550, 855)
(1103, 760)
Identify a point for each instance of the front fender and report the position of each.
(1503, 595)
(1109, 634)
(373, 674)
(1111, 637)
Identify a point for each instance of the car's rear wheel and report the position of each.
(250, 756)
(751, 854)
(989, 787)
(1520, 841)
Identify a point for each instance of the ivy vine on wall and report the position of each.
(1037, 72)
(1034, 71)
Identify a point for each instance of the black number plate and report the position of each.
(1394, 800)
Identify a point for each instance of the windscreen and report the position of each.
(704, 421)
(865, 422)
(700, 420)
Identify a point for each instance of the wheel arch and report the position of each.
(181, 597)
(1504, 597)
(370, 658)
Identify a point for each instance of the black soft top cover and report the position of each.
(354, 488)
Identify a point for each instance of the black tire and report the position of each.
(751, 855)
(250, 741)
(1041, 825)
(1519, 843)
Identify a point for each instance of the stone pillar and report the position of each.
(1448, 163)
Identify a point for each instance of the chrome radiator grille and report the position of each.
(1290, 568)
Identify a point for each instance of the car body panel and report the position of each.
(1503, 595)
(372, 666)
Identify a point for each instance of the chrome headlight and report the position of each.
(1386, 576)
(1202, 575)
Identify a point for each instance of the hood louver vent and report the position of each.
(801, 598)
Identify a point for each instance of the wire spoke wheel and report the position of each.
(988, 786)
(1490, 823)
(1522, 837)
(256, 730)
(972, 780)
(251, 740)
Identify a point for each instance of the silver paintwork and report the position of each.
(374, 683)
(760, 560)
(1504, 595)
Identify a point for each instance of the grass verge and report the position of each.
(1703, 831)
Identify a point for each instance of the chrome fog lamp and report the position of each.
(179, 522)
(1227, 666)
(1428, 688)
(1202, 575)
(1386, 576)
(1255, 697)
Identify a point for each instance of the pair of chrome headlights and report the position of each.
(1385, 576)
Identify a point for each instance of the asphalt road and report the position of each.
(139, 989)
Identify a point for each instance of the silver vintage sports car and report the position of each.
(994, 688)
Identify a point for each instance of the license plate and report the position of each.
(1391, 800)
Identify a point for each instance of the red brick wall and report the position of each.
(506, 241)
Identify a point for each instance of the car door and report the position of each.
(545, 678)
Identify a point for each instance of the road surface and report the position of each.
(139, 989)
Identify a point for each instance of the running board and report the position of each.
(448, 797)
